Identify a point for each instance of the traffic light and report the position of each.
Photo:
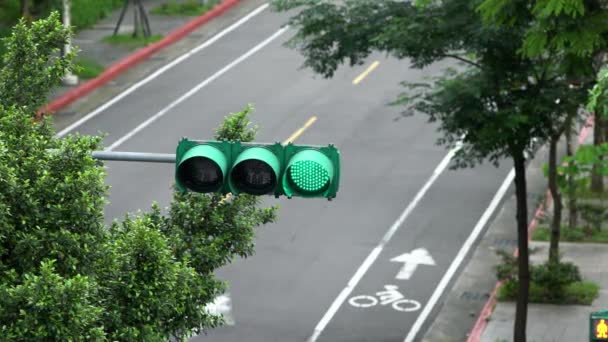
(257, 169)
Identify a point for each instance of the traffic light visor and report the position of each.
(309, 173)
(202, 169)
(255, 171)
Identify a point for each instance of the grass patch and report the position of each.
(543, 233)
(580, 292)
(127, 40)
(87, 68)
(186, 8)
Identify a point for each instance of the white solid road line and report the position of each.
(198, 87)
(376, 251)
(161, 71)
(464, 250)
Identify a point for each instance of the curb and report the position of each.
(136, 57)
(485, 313)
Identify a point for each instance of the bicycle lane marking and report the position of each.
(371, 258)
(390, 295)
(434, 238)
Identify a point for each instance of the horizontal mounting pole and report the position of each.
(135, 156)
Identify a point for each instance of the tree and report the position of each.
(25, 9)
(576, 30)
(64, 274)
(494, 106)
(572, 30)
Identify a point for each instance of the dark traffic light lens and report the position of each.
(200, 174)
(254, 177)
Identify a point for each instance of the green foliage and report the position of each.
(556, 283)
(506, 270)
(489, 101)
(31, 63)
(597, 95)
(188, 7)
(86, 13)
(47, 306)
(149, 293)
(87, 68)
(594, 215)
(581, 292)
(237, 127)
(131, 42)
(578, 234)
(573, 29)
(581, 165)
(65, 275)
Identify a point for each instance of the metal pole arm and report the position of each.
(135, 156)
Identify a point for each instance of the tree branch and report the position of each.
(462, 59)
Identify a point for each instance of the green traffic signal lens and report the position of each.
(200, 174)
(308, 176)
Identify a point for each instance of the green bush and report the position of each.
(188, 7)
(64, 274)
(580, 292)
(47, 306)
(556, 283)
(86, 13)
(579, 234)
(553, 277)
(583, 292)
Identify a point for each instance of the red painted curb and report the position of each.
(488, 308)
(137, 57)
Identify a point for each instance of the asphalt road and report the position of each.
(307, 259)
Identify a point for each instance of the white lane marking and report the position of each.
(464, 250)
(376, 251)
(419, 256)
(161, 71)
(194, 90)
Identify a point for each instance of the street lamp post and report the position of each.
(69, 78)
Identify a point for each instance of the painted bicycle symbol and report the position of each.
(390, 296)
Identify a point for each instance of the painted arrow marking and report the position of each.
(419, 256)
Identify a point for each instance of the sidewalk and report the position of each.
(89, 43)
(460, 308)
(556, 323)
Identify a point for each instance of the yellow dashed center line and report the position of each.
(299, 132)
(291, 138)
(366, 72)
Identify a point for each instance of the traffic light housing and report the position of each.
(257, 169)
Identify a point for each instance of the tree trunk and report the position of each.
(572, 210)
(521, 311)
(597, 181)
(557, 200)
(25, 9)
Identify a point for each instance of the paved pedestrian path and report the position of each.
(90, 44)
(556, 323)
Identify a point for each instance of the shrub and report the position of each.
(556, 283)
(65, 275)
